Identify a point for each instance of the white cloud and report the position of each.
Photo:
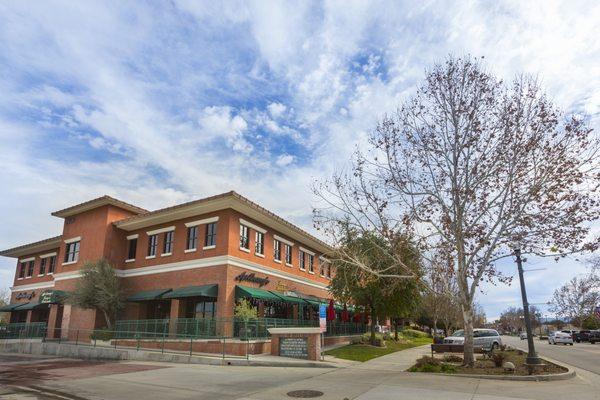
(285, 160)
(276, 109)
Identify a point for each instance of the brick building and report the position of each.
(190, 261)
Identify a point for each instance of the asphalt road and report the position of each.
(581, 355)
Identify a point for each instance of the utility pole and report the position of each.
(532, 357)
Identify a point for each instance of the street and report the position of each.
(381, 378)
(581, 355)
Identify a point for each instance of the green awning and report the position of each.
(11, 307)
(311, 300)
(289, 299)
(30, 306)
(244, 291)
(193, 291)
(148, 295)
(53, 296)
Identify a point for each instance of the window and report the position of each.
(259, 247)
(72, 254)
(52, 265)
(301, 259)
(311, 263)
(152, 244)
(30, 267)
(168, 243)
(211, 234)
(288, 254)
(192, 238)
(328, 269)
(43, 266)
(132, 249)
(22, 267)
(277, 250)
(244, 237)
(322, 267)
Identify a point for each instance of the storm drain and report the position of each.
(305, 394)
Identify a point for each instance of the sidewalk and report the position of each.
(399, 361)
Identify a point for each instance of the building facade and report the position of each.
(194, 260)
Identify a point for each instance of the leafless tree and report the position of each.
(577, 299)
(474, 167)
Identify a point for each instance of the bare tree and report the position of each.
(577, 299)
(476, 168)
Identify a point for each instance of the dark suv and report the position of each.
(594, 337)
(582, 336)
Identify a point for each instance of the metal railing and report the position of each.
(23, 330)
(145, 328)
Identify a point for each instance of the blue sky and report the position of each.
(158, 103)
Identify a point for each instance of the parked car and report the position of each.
(484, 338)
(582, 336)
(594, 336)
(523, 335)
(563, 337)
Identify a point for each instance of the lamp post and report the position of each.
(532, 357)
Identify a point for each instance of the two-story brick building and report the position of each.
(193, 260)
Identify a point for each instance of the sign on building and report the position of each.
(293, 347)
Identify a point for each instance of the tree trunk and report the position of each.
(434, 331)
(107, 318)
(469, 356)
(372, 340)
(396, 329)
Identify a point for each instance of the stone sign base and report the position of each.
(304, 343)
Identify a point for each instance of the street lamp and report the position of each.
(532, 357)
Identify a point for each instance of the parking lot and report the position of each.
(581, 355)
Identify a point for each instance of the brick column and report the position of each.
(29, 315)
(52, 320)
(176, 311)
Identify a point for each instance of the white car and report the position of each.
(560, 337)
(484, 338)
(523, 335)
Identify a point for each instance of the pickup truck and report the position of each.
(594, 336)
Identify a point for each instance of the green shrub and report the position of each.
(245, 311)
(104, 335)
(430, 368)
(357, 340)
(413, 333)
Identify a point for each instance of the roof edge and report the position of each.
(95, 203)
(34, 247)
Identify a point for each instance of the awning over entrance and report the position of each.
(193, 291)
(290, 299)
(30, 306)
(311, 300)
(11, 307)
(248, 292)
(148, 295)
(53, 296)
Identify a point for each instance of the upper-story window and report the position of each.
(211, 235)
(311, 263)
(30, 267)
(244, 237)
(288, 254)
(51, 264)
(132, 249)
(168, 243)
(277, 250)
(259, 247)
(43, 262)
(152, 244)
(301, 259)
(22, 267)
(72, 252)
(328, 270)
(192, 238)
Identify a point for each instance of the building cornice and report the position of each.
(32, 248)
(202, 263)
(95, 203)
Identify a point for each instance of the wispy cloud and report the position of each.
(161, 103)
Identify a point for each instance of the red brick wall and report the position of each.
(35, 278)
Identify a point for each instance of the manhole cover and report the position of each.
(305, 394)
